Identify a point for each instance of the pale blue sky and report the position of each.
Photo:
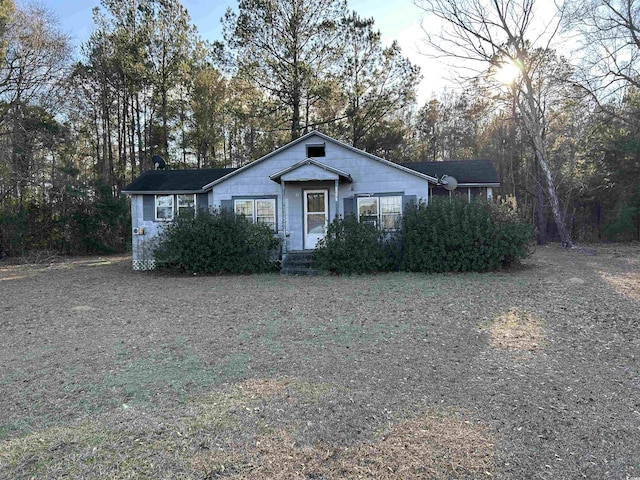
(396, 20)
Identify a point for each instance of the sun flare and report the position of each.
(507, 73)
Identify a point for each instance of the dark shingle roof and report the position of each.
(464, 171)
(176, 180)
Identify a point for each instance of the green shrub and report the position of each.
(450, 235)
(353, 247)
(627, 222)
(219, 242)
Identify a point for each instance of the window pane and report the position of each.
(391, 221)
(244, 207)
(368, 210)
(391, 211)
(367, 206)
(315, 223)
(266, 212)
(164, 200)
(391, 204)
(164, 207)
(186, 201)
(164, 213)
(315, 202)
(186, 204)
(265, 208)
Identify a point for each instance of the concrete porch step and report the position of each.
(299, 271)
(299, 263)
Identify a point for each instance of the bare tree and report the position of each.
(493, 34)
(32, 74)
(610, 52)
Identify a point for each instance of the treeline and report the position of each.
(75, 131)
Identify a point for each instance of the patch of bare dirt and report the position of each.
(627, 284)
(517, 330)
(430, 446)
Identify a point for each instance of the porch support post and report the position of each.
(337, 183)
(284, 222)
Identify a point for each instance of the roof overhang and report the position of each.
(310, 170)
(162, 192)
(478, 185)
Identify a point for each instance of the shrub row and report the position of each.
(215, 243)
(448, 235)
(354, 247)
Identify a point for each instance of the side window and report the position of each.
(368, 210)
(244, 207)
(390, 212)
(186, 203)
(259, 210)
(164, 208)
(383, 212)
(266, 212)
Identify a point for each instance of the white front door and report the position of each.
(316, 216)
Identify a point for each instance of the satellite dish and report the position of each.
(158, 162)
(449, 182)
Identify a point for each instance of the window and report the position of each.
(258, 210)
(186, 203)
(164, 207)
(390, 212)
(368, 210)
(314, 151)
(383, 212)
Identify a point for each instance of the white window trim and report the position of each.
(254, 210)
(155, 208)
(175, 206)
(379, 222)
(193, 195)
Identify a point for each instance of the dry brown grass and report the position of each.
(323, 377)
(628, 284)
(15, 277)
(265, 387)
(517, 330)
(431, 446)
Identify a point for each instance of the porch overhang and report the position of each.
(309, 170)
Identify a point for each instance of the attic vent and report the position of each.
(315, 151)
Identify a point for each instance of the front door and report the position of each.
(316, 216)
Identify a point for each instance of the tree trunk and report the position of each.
(541, 217)
(295, 118)
(531, 115)
(141, 156)
(131, 129)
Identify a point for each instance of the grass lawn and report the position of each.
(529, 373)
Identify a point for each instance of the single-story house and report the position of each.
(298, 189)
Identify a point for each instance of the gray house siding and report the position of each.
(295, 209)
(144, 231)
(284, 175)
(369, 177)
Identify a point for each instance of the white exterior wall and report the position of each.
(142, 245)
